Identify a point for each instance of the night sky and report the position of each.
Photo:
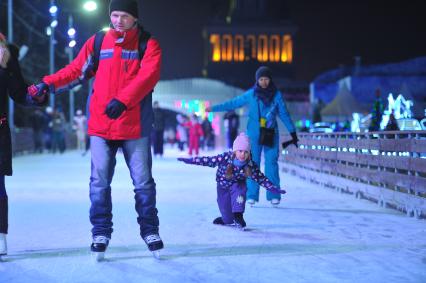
(330, 33)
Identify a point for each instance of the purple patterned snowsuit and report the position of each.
(231, 193)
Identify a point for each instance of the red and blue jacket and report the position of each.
(120, 75)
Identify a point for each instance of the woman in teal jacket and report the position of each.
(264, 102)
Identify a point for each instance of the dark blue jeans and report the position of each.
(137, 154)
(3, 193)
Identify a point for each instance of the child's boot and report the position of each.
(218, 221)
(239, 220)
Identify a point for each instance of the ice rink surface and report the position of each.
(315, 235)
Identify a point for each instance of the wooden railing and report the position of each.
(388, 168)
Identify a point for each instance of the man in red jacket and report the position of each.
(120, 116)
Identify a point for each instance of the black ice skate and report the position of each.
(99, 246)
(218, 221)
(154, 243)
(239, 220)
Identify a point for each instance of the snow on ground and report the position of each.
(316, 234)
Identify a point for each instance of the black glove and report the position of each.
(115, 108)
(286, 144)
(295, 139)
(186, 160)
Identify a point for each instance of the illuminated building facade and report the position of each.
(250, 46)
(251, 34)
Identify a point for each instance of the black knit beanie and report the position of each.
(128, 6)
(263, 71)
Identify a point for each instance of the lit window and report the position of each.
(262, 48)
(252, 42)
(227, 47)
(239, 48)
(215, 41)
(287, 49)
(274, 48)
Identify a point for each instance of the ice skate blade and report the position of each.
(98, 256)
(238, 227)
(156, 255)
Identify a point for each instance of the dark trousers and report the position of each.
(181, 145)
(158, 141)
(3, 193)
(232, 135)
(58, 141)
(38, 140)
(3, 207)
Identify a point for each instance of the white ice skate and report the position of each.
(155, 244)
(98, 256)
(156, 255)
(275, 202)
(98, 247)
(3, 246)
(239, 227)
(251, 202)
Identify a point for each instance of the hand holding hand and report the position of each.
(114, 109)
(39, 92)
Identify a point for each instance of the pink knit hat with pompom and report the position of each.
(241, 143)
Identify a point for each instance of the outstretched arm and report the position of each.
(263, 181)
(79, 70)
(210, 161)
(232, 104)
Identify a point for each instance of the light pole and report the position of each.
(69, 50)
(53, 12)
(88, 6)
(10, 39)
